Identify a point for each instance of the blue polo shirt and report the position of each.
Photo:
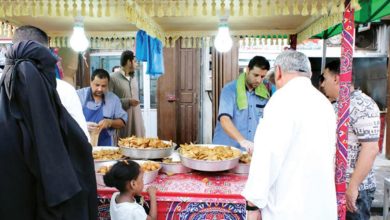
(112, 107)
(245, 120)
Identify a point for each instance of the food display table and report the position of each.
(196, 195)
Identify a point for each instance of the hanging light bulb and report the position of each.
(223, 42)
(78, 40)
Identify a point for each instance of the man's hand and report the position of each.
(248, 145)
(92, 126)
(351, 195)
(134, 102)
(105, 123)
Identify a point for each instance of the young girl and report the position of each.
(127, 177)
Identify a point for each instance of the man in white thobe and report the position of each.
(292, 170)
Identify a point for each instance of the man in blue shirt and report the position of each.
(102, 107)
(241, 106)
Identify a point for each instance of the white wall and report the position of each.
(149, 115)
(150, 122)
(206, 105)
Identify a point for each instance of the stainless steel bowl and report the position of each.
(99, 163)
(147, 153)
(173, 168)
(241, 168)
(149, 176)
(99, 176)
(210, 166)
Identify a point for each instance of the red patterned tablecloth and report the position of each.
(194, 195)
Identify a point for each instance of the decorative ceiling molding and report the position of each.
(320, 25)
(144, 14)
(138, 16)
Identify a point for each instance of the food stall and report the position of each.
(194, 182)
(111, 24)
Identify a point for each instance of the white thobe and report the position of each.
(70, 100)
(292, 169)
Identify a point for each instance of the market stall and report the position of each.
(195, 22)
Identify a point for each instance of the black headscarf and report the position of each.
(52, 156)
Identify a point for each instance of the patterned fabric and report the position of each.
(177, 210)
(346, 60)
(364, 127)
(196, 195)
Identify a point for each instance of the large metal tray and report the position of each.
(209, 166)
(148, 153)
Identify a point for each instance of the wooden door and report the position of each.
(188, 79)
(178, 92)
(167, 98)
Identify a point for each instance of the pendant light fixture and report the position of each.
(223, 41)
(78, 40)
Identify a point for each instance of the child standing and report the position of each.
(127, 177)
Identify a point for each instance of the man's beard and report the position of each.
(98, 93)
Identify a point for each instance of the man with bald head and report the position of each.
(292, 168)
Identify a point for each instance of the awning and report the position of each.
(370, 10)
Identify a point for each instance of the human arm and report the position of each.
(365, 123)
(152, 190)
(111, 123)
(230, 129)
(134, 102)
(232, 132)
(364, 164)
(117, 115)
(227, 115)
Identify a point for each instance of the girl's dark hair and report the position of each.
(121, 173)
